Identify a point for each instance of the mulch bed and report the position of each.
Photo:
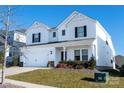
(8, 85)
(79, 70)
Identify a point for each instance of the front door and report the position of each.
(62, 55)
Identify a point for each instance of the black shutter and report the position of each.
(32, 38)
(75, 32)
(85, 31)
(38, 37)
(54, 34)
(65, 55)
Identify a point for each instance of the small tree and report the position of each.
(6, 12)
(1, 56)
(92, 62)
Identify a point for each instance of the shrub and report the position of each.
(86, 65)
(61, 65)
(63, 62)
(92, 63)
(50, 64)
(70, 62)
(58, 65)
(78, 64)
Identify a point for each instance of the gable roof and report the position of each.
(73, 14)
(38, 24)
(68, 19)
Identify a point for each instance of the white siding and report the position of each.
(105, 52)
(37, 29)
(51, 38)
(77, 21)
(19, 37)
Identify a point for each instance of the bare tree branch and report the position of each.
(5, 20)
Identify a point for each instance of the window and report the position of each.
(51, 52)
(111, 61)
(77, 54)
(10, 54)
(85, 54)
(107, 42)
(35, 37)
(54, 34)
(80, 31)
(63, 32)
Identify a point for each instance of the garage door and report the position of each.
(36, 57)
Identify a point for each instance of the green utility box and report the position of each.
(101, 77)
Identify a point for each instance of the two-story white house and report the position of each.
(78, 37)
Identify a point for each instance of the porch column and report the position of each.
(64, 50)
(93, 50)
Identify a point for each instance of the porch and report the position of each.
(82, 50)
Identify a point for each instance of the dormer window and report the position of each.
(81, 31)
(54, 34)
(63, 32)
(36, 37)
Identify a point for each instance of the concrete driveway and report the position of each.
(17, 70)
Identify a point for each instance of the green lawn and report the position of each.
(64, 78)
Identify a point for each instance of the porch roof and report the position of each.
(88, 41)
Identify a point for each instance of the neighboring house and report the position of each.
(1, 38)
(78, 37)
(15, 40)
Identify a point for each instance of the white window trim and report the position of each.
(62, 32)
(55, 34)
(81, 53)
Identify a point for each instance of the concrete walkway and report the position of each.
(26, 85)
